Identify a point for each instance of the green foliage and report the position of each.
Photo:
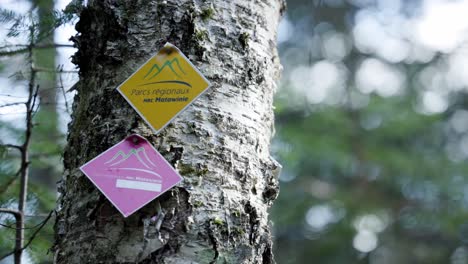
(37, 26)
(396, 168)
(8, 16)
(30, 25)
(16, 21)
(385, 169)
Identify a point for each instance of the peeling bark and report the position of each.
(220, 144)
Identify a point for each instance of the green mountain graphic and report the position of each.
(156, 69)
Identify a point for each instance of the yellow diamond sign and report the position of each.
(164, 86)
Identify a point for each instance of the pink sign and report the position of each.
(131, 174)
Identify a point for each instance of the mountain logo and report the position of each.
(123, 161)
(131, 174)
(163, 86)
(172, 65)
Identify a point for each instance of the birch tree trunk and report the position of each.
(220, 144)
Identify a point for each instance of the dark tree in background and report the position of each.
(220, 144)
(47, 137)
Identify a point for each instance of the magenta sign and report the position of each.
(131, 174)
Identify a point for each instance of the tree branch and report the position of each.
(14, 228)
(13, 212)
(44, 222)
(20, 148)
(24, 169)
(40, 46)
(62, 88)
(53, 70)
(12, 104)
(21, 48)
(12, 96)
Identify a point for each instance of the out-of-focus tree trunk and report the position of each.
(220, 144)
(46, 137)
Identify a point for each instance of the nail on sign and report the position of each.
(164, 86)
(131, 174)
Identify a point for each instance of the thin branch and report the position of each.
(13, 96)
(39, 46)
(20, 148)
(62, 88)
(33, 105)
(35, 96)
(14, 228)
(19, 103)
(44, 222)
(31, 227)
(13, 52)
(12, 104)
(38, 69)
(43, 155)
(25, 48)
(51, 89)
(13, 212)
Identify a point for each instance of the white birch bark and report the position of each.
(220, 144)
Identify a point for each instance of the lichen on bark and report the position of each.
(220, 144)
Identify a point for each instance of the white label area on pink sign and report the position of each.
(131, 174)
(137, 185)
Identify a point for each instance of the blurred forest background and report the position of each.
(371, 128)
(372, 132)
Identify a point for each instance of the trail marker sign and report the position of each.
(131, 174)
(164, 86)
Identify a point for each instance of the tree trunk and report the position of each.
(220, 144)
(46, 134)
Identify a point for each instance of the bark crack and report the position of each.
(214, 242)
(253, 221)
